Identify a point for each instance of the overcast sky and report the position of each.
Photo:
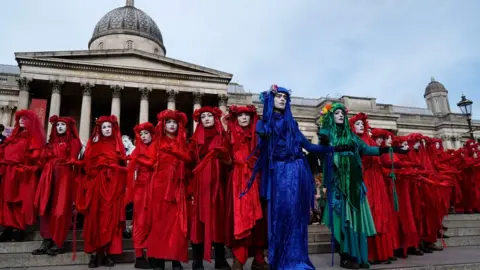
(385, 49)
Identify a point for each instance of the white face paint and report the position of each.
(21, 121)
(370, 132)
(416, 145)
(379, 141)
(106, 129)
(423, 142)
(243, 119)
(338, 116)
(127, 143)
(405, 145)
(280, 101)
(145, 136)
(171, 126)
(207, 119)
(437, 145)
(388, 141)
(359, 128)
(61, 127)
(475, 155)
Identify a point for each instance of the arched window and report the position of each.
(129, 44)
(100, 46)
(156, 51)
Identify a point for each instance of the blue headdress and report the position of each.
(269, 134)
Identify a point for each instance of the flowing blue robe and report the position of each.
(288, 185)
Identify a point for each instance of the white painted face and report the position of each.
(207, 119)
(280, 101)
(416, 145)
(369, 132)
(379, 141)
(127, 143)
(423, 142)
(106, 129)
(405, 145)
(437, 145)
(388, 141)
(171, 126)
(359, 128)
(338, 116)
(145, 136)
(475, 155)
(61, 127)
(21, 122)
(243, 119)
(478, 147)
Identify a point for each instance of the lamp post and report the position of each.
(465, 106)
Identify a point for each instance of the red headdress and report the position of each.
(143, 126)
(235, 130)
(32, 125)
(380, 133)
(359, 116)
(181, 119)
(199, 134)
(97, 134)
(71, 133)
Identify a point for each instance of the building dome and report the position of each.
(434, 87)
(122, 23)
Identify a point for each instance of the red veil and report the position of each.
(235, 130)
(33, 126)
(181, 119)
(97, 135)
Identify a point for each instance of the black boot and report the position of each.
(44, 247)
(176, 265)
(93, 262)
(7, 235)
(54, 250)
(18, 235)
(142, 263)
(220, 259)
(414, 251)
(156, 264)
(347, 263)
(198, 250)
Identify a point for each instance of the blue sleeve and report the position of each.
(313, 148)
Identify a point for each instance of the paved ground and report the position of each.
(450, 256)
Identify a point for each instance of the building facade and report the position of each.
(126, 72)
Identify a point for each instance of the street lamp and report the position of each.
(465, 106)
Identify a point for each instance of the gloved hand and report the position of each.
(324, 140)
(344, 148)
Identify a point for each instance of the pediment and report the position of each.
(126, 59)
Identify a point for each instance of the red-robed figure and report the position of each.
(137, 182)
(405, 183)
(55, 192)
(246, 220)
(166, 200)
(19, 165)
(208, 149)
(101, 193)
(381, 245)
(471, 186)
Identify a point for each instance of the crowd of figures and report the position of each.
(248, 187)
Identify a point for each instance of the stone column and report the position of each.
(24, 93)
(86, 113)
(197, 104)
(222, 104)
(144, 104)
(55, 101)
(116, 90)
(7, 115)
(171, 99)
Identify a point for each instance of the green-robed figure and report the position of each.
(347, 212)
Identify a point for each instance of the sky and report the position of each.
(388, 50)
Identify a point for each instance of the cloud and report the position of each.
(383, 49)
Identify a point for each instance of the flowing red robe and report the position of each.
(208, 217)
(138, 180)
(166, 200)
(100, 197)
(246, 223)
(19, 179)
(471, 186)
(406, 178)
(54, 197)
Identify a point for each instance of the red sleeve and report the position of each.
(149, 158)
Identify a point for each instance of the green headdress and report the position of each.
(339, 134)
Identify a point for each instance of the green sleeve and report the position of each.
(368, 150)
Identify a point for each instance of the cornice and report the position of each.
(119, 70)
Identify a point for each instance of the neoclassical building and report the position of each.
(126, 72)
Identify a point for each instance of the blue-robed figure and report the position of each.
(286, 180)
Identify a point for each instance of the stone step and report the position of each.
(463, 217)
(17, 260)
(461, 241)
(463, 231)
(461, 223)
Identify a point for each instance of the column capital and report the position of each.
(56, 86)
(171, 95)
(24, 83)
(116, 90)
(8, 108)
(222, 100)
(197, 97)
(87, 88)
(145, 92)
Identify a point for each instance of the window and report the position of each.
(129, 44)
(156, 51)
(100, 46)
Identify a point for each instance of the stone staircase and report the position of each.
(464, 230)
